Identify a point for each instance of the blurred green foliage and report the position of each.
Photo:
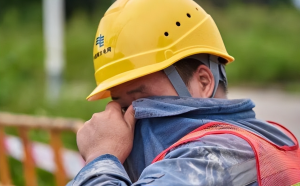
(264, 40)
(22, 79)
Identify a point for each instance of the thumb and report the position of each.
(129, 116)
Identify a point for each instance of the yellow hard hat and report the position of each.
(139, 37)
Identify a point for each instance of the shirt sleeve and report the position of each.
(212, 160)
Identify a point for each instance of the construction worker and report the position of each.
(170, 122)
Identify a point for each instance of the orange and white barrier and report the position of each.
(43, 156)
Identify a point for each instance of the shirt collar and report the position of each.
(162, 106)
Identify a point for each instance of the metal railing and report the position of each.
(25, 123)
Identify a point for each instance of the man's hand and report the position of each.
(107, 132)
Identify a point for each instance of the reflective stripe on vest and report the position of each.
(275, 165)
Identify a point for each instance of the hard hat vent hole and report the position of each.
(189, 15)
(166, 34)
(197, 9)
(177, 23)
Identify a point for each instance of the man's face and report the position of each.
(156, 84)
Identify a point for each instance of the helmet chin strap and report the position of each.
(214, 68)
(211, 61)
(177, 81)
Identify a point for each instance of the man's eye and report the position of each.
(124, 109)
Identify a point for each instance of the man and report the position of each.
(162, 62)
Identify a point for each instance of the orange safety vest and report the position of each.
(276, 165)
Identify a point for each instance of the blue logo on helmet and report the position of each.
(100, 41)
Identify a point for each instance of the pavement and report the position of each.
(273, 105)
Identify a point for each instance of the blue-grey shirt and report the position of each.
(222, 159)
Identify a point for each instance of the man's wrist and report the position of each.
(97, 157)
(104, 157)
(107, 164)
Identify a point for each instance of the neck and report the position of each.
(220, 93)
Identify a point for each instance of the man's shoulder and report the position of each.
(226, 148)
(218, 157)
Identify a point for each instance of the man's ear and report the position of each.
(202, 82)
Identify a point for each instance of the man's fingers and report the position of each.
(129, 116)
(113, 105)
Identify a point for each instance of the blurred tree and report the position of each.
(73, 5)
(268, 2)
(20, 5)
(89, 6)
(93, 6)
(222, 3)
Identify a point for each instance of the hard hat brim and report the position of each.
(101, 91)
